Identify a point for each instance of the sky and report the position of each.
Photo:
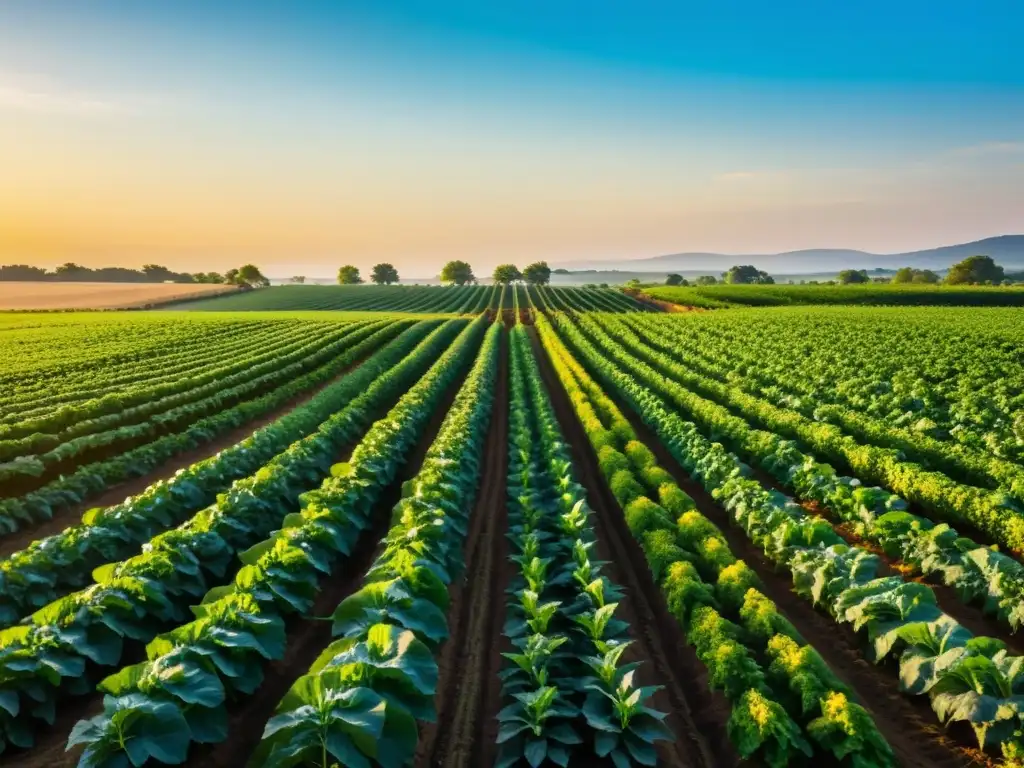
(303, 136)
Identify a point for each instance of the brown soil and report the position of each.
(468, 694)
(308, 635)
(697, 716)
(907, 723)
(115, 494)
(661, 306)
(44, 295)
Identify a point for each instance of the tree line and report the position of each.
(453, 273)
(974, 270)
(246, 276)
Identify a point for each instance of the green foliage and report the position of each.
(853, 276)
(457, 272)
(746, 275)
(384, 274)
(506, 273)
(643, 515)
(349, 275)
(975, 270)
(537, 273)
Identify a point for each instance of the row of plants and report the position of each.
(47, 657)
(952, 374)
(55, 357)
(199, 354)
(92, 479)
(722, 362)
(787, 705)
(26, 473)
(133, 404)
(389, 632)
(992, 512)
(567, 688)
(181, 694)
(979, 574)
(968, 679)
(420, 299)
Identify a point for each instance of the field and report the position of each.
(29, 295)
(469, 299)
(515, 527)
(720, 296)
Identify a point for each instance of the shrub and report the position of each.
(734, 581)
(611, 461)
(655, 477)
(644, 515)
(641, 456)
(715, 554)
(625, 488)
(661, 551)
(674, 499)
(761, 618)
(684, 591)
(693, 528)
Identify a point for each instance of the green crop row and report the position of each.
(179, 696)
(566, 686)
(47, 657)
(967, 679)
(55, 565)
(784, 697)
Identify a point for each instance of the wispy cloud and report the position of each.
(47, 96)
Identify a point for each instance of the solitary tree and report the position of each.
(910, 275)
(349, 275)
(506, 273)
(299, 279)
(746, 274)
(249, 275)
(675, 280)
(851, 276)
(975, 269)
(384, 274)
(457, 272)
(707, 280)
(538, 273)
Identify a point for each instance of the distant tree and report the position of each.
(561, 271)
(21, 272)
(925, 276)
(675, 280)
(155, 273)
(457, 272)
(707, 280)
(349, 275)
(538, 273)
(299, 279)
(604, 285)
(976, 270)
(506, 273)
(747, 274)
(384, 274)
(71, 271)
(249, 276)
(904, 275)
(852, 276)
(231, 277)
(633, 283)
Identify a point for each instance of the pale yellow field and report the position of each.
(40, 295)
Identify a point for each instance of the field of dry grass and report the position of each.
(42, 295)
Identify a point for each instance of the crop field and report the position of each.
(466, 299)
(511, 526)
(22, 296)
(719, 296)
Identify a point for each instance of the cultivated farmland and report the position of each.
(510, 526)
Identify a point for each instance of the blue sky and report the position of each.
(305, 134)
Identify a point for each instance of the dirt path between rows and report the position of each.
(468, 696)
(907, 723)
(115, 494)
(697, 716)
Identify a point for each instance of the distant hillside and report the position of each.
(1007, 250)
